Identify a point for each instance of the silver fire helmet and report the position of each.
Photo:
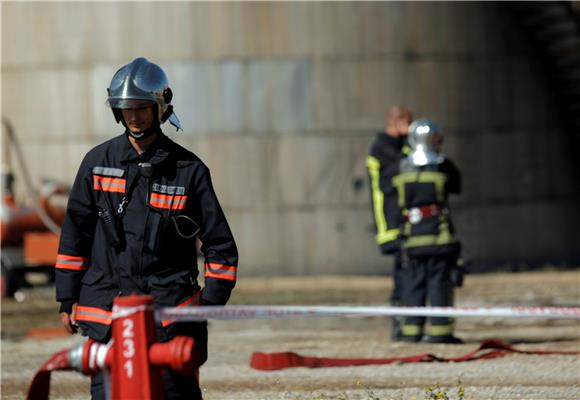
(425, 140)
(142, 80)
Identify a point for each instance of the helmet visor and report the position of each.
(129, 103)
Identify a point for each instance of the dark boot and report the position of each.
(409, 338)
(396, 321)
(396, 334)
(449, 339)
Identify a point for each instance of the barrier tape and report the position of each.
(202, 313)
(122, 312)
(65, 360)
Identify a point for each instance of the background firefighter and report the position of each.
(138, 203)
(385, 154)
(428, 244)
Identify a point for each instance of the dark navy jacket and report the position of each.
(157, 250)
(383, 164)
(423, 197)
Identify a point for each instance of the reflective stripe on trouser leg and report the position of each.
(440, 330)
(411, 330)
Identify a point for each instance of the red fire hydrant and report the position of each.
(132, 357)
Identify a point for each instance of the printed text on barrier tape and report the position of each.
(259, 312)
(276, 361)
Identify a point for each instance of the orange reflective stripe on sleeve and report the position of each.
(108, 184)
(64, 261)
(93, 314)
(168, 201)
(194, 300)
(220, 271)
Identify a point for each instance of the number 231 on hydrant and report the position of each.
(132, 358)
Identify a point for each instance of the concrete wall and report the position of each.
(281, 100)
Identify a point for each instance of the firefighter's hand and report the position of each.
(68, 320)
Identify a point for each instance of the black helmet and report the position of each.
(142, 80)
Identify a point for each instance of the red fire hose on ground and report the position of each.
(487, 349)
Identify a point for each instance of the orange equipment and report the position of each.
(28, 235)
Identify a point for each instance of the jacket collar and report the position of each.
(393, 141)
(157, 152)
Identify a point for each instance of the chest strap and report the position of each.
(145, 170)
(416, 214)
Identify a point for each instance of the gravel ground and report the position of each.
(227, 374)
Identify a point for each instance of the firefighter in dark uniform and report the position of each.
(138, 204)
(429, 247)
(385, 154)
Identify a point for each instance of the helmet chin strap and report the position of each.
(142, 135)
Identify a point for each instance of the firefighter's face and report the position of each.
(403, 126)
(138, 119)
(398, 120)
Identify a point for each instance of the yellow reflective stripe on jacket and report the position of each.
(384, 234)
(374, 166)
(437, 178)
(429, 240)
(444, 236)
(440, 330)
(387, 236)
